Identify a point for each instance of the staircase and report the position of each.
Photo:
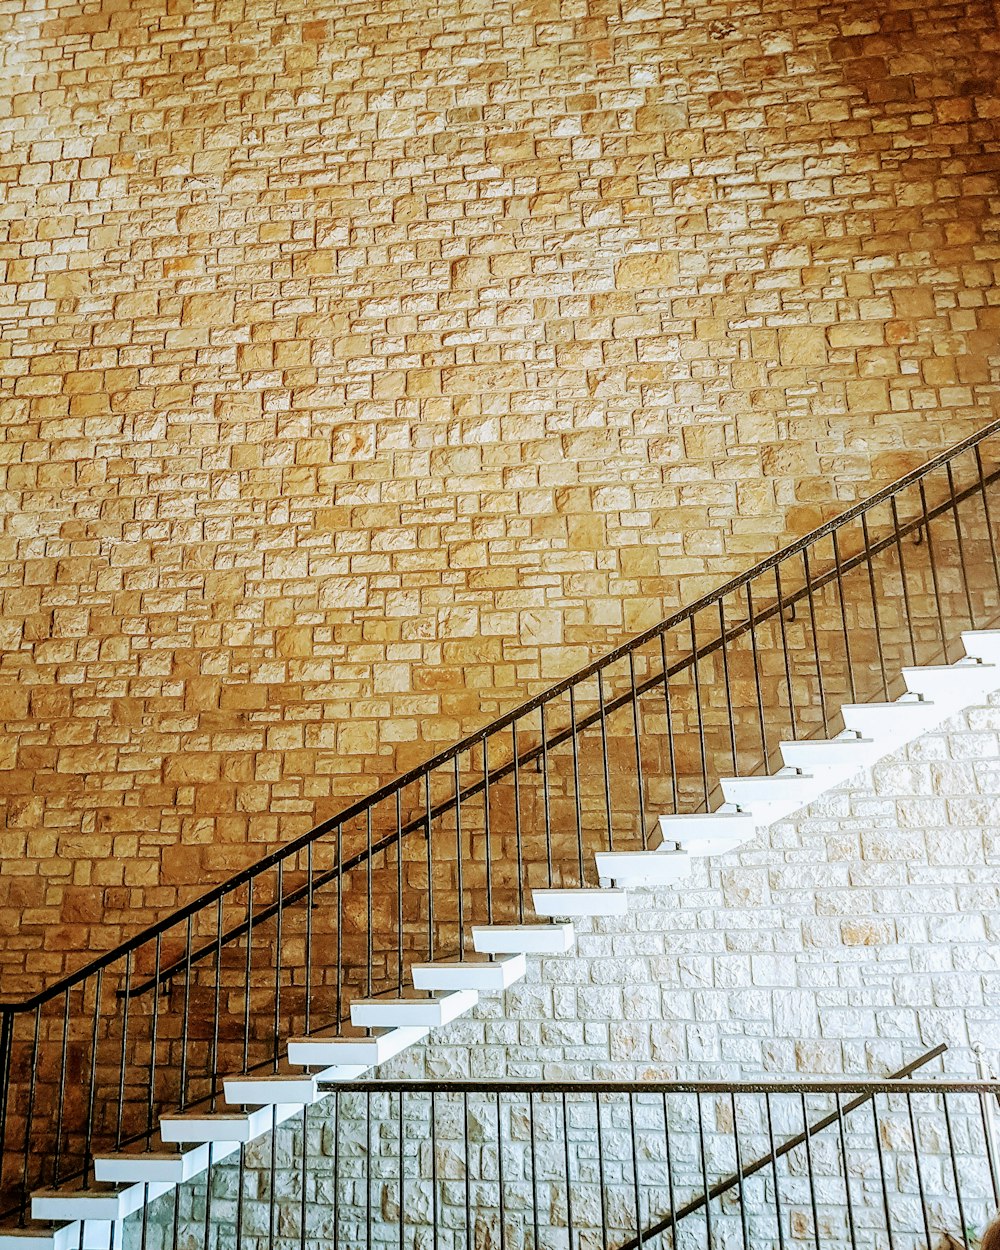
(389, 921)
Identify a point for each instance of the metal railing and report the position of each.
(401, 876)
(893, 1163)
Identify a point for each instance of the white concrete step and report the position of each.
(709, 833)
(581, 902)
(660, 867)
(485, 975)
(982, 644)
(255, 1089)
(45, 1236)
(96, 1202)
(431, 1013)
(770, 798)
(830, 758)
(321, 1050)
(889, 725)
(527, 939)
(172, 1165)
(224, 1126)
(953, 685)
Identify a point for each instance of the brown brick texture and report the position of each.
(366, 369)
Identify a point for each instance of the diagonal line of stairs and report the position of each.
(74, 1216)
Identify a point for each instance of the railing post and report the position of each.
(6, 1046)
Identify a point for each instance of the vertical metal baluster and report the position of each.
(208, 1196)
(340, 922)
(309, 937)
(502, 1211)
(668, 1163)
(402, 1174)
(534, 1167)
(874, 597)
(370, 899)
(902, 578)
(637, 731)
(989, 1141)
(517, 823)
(987, 518)
(240, 1185)
(784, 650)
(215, 1007)
(847, 1176)
(933, 566)
(430, 866)
(121, 1069)
(843, 616)
(247, 974)
(278, 944)
(881, 1172)
(62, 1091)
(94, 1042)
(459, 860)
(810, 1172)
(671, 746)
(815, 636)
(368, 1172)
(434, 1177)
(728, 688)
(578, 806)
(175, 1240)
(916, 1162)
(545, 796)
(185, 1014)
(774, 1171)
(603, 719)
(704, 1173)
(636, 1190)
(569, 1179)
(468, 1177)
(486, 830)
(336, 1169)
(399, 892)
(961, 547)
(698, 710)
(154, 1037)
(6, 1030)
(756, 674)
(736, 1142)
(600, 1171)
(6, 1063)
(303, 1176)
(954, 1164)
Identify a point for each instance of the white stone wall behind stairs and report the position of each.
(846, 940)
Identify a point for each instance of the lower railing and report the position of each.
(550, 1165)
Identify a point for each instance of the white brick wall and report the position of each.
(847, 940)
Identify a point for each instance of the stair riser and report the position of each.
(548, 939)
(429, 1013)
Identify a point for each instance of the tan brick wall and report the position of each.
(367, 368)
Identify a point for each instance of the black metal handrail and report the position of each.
(418, 825)
(473, 740)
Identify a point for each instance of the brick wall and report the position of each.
(363, 370)
(845, 941)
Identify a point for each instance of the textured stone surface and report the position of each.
(365, 369)
(846, 941)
